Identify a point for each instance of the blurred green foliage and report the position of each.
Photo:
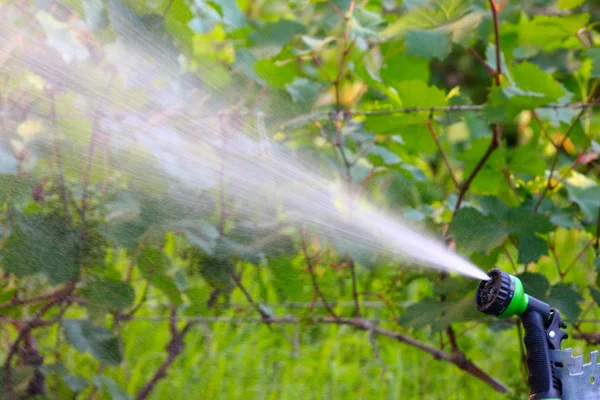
(96, 261)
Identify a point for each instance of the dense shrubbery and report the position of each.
(473, 118)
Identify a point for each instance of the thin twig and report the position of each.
(465, 186)
(597, 244)
(555, 158)
(313, 278)
(510, 259)
(498, 75)
(58, 154)
(510, 184)
(491, 72)
(92, 146)
(579, 255)
(357, 312)
(238, 281)
(544, 130)
(24, 330)
(442, 153)
(174, 348)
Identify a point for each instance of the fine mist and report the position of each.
(185, 134)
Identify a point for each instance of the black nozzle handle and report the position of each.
(542, 381)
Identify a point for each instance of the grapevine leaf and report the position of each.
(428, 43)
(115, 391)
(42, 244)
(569, 4)
(475, 231)
(595, 294)
(594, 54)
(535, 284)
(421, 314)
(303, 91)
(96, 339)
(564, 298)
(531, 248)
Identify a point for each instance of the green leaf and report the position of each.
(587, 198)
(404, 67)
(569, 4)
(595, 295)
(115, 391)
(421, 314)
(531, 248)
(152, 261)
(42, 244)
(460, 310)
(286, 280)
(535, 284)
(416, 93)
(490, 179)
(526, 160)
(564, 298)
(96, 339)
(428, 43)
(13, 188)
(272, 36)
(109, 294)
(167, 285)
(475, 231)
(549, 32)
(380, 155)
(366, 23)
(455, 18)
(201, 234)
(531, 78)
(276, 73)
(524, 221)
(594, 54)
(303, 91)
(230, 13)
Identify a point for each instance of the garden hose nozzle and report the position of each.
(503, 296)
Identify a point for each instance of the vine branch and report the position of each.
(174, 349)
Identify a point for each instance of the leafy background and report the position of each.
(474, 119)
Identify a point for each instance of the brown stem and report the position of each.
(174, 349)
(238, 281)
(510, 184)
(458, 359)
(25, 328)
(555, 159)
(497, 40)
(92, 146)
(465, 186)
(442, 153)
(523, 359)
(20, 302)
(58, 154)
(357, 312)
(597, 244)
(544, 130)
(469, 107)
(512, 263)
(579, 255)
(313, 277)
(491, 72)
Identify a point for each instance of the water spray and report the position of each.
(553, 374)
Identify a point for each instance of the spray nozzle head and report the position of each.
(495, 295)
